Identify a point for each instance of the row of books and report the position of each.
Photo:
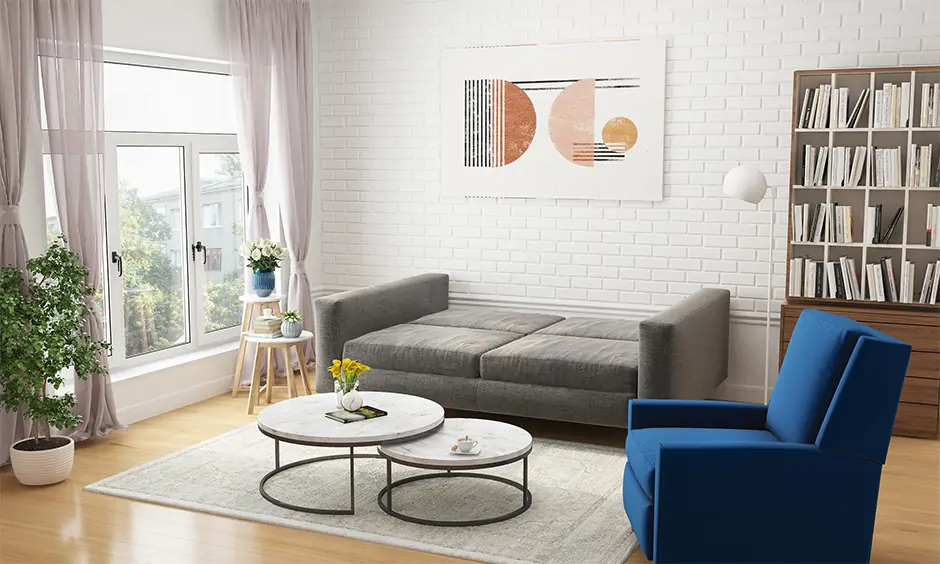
(893, 105)
(930, 105)
(808, 279)
(847, 166)
(919, 164)
(821, 105)
(887, 166)
(933, 225)
(839, 280)
(874, 234)
(822, 222)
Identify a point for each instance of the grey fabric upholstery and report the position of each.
(452, 393)
(448, 351)
(594, 328)
(684, 349)
(581, 370)
(490, 319)
(601, 365)
(343, 317)
(550, 402)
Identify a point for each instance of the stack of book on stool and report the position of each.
(267, 327)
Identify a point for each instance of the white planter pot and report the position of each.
(42, 467)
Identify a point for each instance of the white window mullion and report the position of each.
(115, 293)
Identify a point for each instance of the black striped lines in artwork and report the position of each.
(599, 152)
(561, 84)
(484, 123)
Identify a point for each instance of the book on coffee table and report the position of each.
(361, 414)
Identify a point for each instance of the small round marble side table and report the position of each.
(303, 421)
(285, 344)
(500, 444)
(254, 305)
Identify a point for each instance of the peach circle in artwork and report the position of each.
(620, 134)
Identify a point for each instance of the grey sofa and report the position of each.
(581, 370)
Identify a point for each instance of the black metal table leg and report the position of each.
(352, 480)
(277, 454)
(388, 482)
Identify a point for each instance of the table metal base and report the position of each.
(385, 495)
(352, 456)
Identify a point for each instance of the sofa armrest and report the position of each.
(345, 316)
(644, 414)
(684, 350)
(765, 495)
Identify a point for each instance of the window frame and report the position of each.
(193, 144)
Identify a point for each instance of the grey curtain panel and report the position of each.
(70, 45)
(293, 75)
(249, 40)
(18, 88)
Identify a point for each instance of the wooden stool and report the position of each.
(285, 344)
(254, 307)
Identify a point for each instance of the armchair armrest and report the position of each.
(345, 316)
(643, 414)
(766, 502)
(684, 349)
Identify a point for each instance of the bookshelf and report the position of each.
(915, 322)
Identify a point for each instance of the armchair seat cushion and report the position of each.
(446, 351)
(643, 446)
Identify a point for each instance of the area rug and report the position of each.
(576, 516)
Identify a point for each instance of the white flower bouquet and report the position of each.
(262, 255)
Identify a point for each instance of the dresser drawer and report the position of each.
(915, 420)
(921, 390)
(924, 365)
(921, 337)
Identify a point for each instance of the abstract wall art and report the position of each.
(580, 120)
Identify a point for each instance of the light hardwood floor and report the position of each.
(61, 524)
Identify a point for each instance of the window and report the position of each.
(173, 178)
(212, 215)
(214, 260)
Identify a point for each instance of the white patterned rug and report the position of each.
(576, 516)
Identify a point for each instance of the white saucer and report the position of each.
(472, 452)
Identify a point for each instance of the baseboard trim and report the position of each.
(158, 405)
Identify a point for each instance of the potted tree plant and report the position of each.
(42, 333)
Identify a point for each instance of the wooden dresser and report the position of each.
(919, 412)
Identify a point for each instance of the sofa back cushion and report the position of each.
(816, 358)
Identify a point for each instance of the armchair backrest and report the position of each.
(861, 416)
(820, 350)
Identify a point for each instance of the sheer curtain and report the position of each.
(249, 40)
(293, 75)
(17, 111)
(70, 45)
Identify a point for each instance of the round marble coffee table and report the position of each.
(500, 444)
(302, 421)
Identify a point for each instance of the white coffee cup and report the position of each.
(466, 444)
(267, 312)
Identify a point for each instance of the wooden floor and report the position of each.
(61, 524)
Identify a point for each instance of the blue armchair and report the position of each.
(794, 481)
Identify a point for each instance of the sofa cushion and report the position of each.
(594, 328)
(448, 351)
(643, 446)
(490, 319)
(571, 362)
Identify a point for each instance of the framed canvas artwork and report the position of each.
(579, 120)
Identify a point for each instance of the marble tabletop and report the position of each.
(265, 340)
(303, 419)
(499, 442)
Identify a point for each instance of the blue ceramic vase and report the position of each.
(262, 283)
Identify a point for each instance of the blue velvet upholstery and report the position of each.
(795, 481)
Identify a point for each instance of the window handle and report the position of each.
(200, 248)
(116, 259)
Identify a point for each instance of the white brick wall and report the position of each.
(729, 84)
